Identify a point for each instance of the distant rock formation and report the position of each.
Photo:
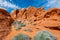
(52, 18)
(29, 15)
(39, 16)
(5, 23)
(14, 13)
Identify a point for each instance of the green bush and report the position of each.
(44, 35)
(30, 30)
(25, 29)
(21, 37)
(17, 24)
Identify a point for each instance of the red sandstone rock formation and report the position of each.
(5, 23)
(52, 17)
(14, 13)
(38, 19)
(33, 15)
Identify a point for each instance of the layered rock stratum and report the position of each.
(39, 16)
(36, 19)
(5, 23)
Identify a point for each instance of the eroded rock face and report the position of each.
(52, 18)
(5, 23)
(22, 14)
(14, 13)
(38, 19)
(39, 16)
(30, 14)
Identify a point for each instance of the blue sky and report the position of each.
(10, 5)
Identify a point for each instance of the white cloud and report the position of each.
(7, 4)
(57, 4)
(53, 3)
(50, 2)
(3, 8)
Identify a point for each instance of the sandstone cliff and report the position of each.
(38, 16)
(5, 23)
(36, 19)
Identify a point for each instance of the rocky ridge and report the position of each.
(36, 19)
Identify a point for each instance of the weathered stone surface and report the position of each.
(37, 19)
(52, 18)
(39, 16)
(22, 14)
(5, 23)
(14, 13)
(30, 14)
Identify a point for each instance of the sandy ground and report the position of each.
(34, 30)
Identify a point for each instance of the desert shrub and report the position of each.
(25, 29)
(21, 37)
(44, 35)
(17, 24)
(30, 30)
